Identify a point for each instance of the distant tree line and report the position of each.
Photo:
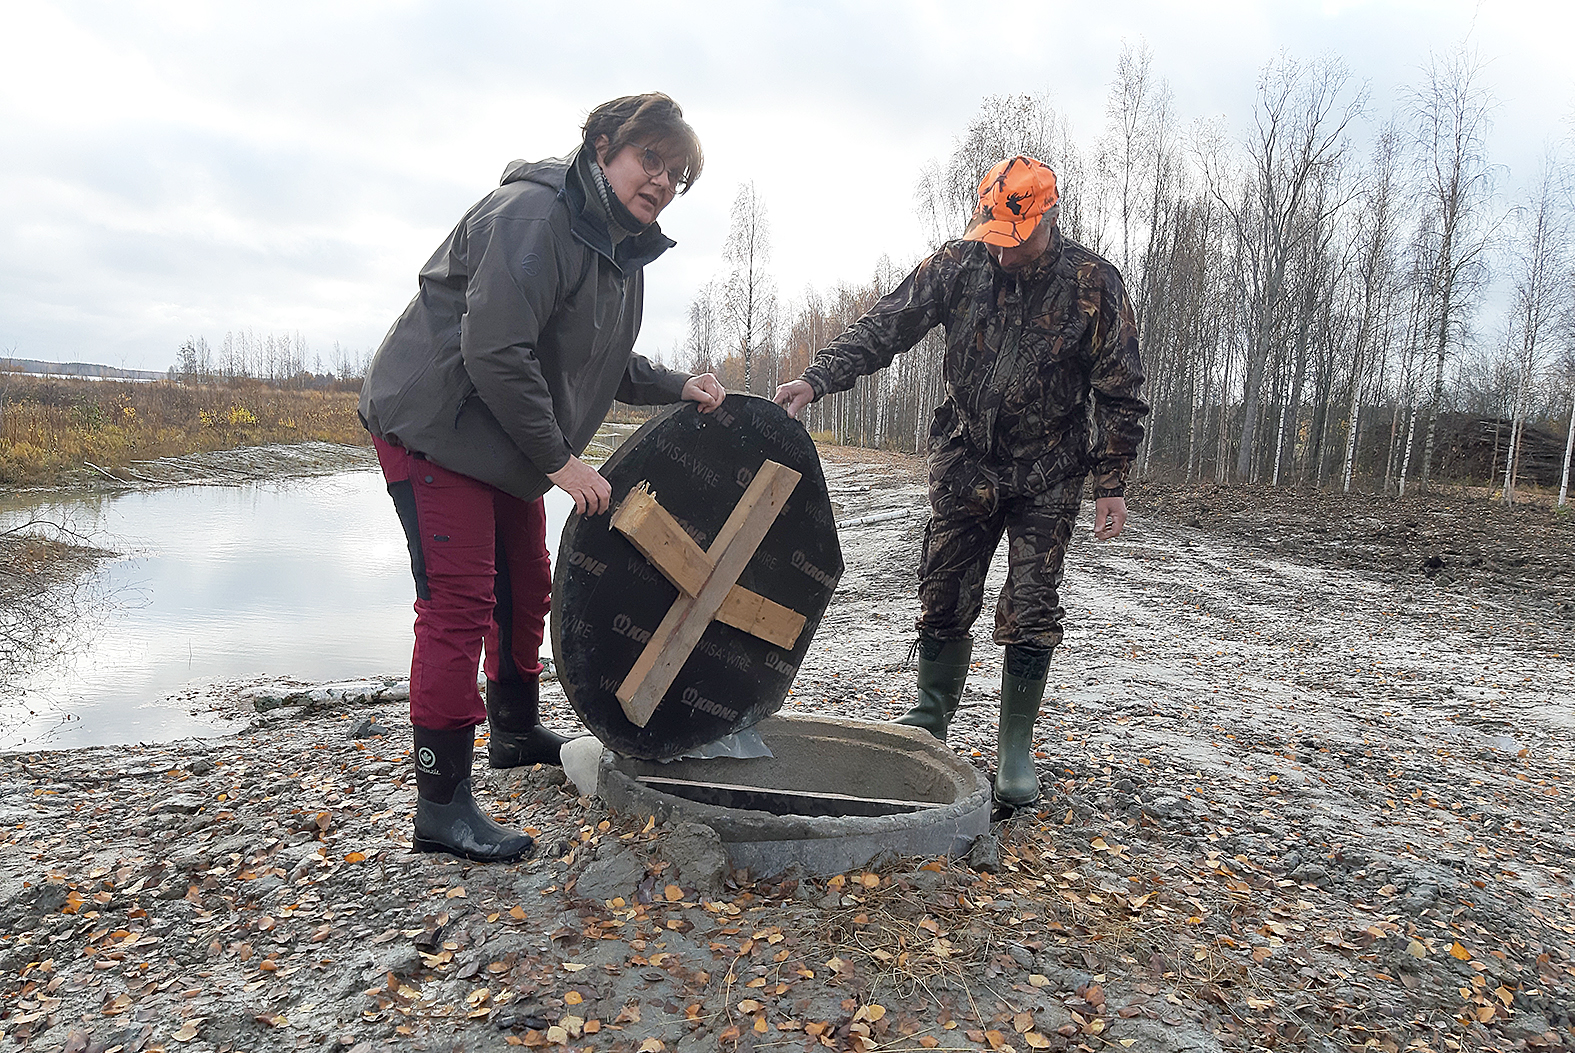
(1311, 313)
(282, 360)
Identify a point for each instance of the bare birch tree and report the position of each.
(1299, 126)
(749, 300)
(1450, 111)
(703, 344)
(1541, 298)
(1377, 229)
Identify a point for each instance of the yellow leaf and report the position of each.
(870, 881)
(1505, 995)
(1035, 1040)
(652, 1045)
(517, 913)
(836, 882)
(930, 1041)
(874, 1011)
(672, 893)
(1038, 980)
(573, 998)
(1023, 1023)
(355, 857)
(760, 1024)
(572, 967)
(559, 1036)
(457, 892)
(187, 1032)
(1459, 952)
(1486, 1013)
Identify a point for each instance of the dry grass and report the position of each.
(50, 428)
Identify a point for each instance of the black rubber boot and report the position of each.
(448, 819)
(1022, 689)
(514, 717)
(943, 669)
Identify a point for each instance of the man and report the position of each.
(481, 399)
(1037, 328)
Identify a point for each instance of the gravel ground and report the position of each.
(1305, 789)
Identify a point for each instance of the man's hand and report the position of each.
(794, 396)
(1110, 515)
(585, 484)
(705, 391)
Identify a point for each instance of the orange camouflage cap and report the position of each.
(1013, 195)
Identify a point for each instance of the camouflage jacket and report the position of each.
(1026, 353)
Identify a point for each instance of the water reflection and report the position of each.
(307, 578)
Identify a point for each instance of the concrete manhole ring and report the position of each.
(836, 795)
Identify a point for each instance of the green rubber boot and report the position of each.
(943, 668)
(1022, 689)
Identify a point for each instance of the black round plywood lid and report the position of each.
(608, 598)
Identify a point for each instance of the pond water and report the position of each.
(305, 578)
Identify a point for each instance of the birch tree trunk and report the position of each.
(1569, 445)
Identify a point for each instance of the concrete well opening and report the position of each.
(835, 795)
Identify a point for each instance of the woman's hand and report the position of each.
(591, 492)
(705, 391)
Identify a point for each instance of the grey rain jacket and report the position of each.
(520, 337)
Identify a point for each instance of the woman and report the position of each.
(481, 398)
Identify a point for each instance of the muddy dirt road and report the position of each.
(1307, 771)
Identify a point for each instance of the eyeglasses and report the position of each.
(654, 165)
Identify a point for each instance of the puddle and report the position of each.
(307, 578)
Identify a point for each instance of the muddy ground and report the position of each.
(1307, 768)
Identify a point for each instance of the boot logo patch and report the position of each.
(426, 761)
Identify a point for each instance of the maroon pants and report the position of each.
(483, 577)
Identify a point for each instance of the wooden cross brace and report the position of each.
(706, 581)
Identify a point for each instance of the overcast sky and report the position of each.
(180, 169)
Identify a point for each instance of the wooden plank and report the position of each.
(662, 540)
(686, 621)
(752, 613)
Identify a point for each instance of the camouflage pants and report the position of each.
(968, 515)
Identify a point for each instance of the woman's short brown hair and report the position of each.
(645, 119)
